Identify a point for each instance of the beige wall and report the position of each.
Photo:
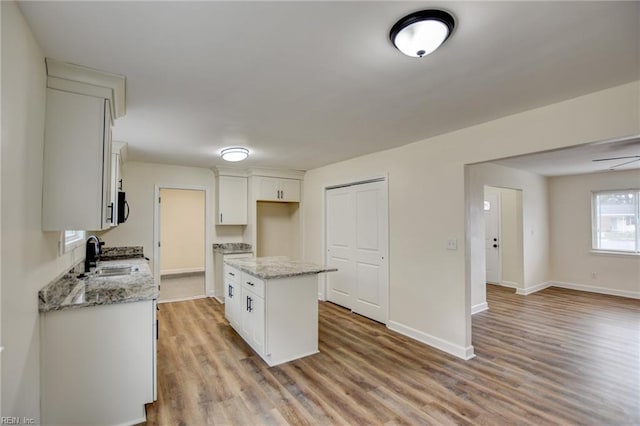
(430, 286)
(277, 229)
(140, 180)
(182, 231)
(572, 260)
(30, 257)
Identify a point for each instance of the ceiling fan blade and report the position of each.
(617, 158)
(625, 163)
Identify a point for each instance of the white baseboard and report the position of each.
(533, 289)
(480, 307)
(183, 299)
(321, 297)
(593, 289)
(510, 284)
(221, 300)
(180, 271)
(436, 342)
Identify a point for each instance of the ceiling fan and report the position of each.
(629, 159)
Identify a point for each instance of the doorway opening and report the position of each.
(181, 244)
(503, 236)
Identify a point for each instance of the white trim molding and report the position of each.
(510, 284)
(436, 342)
(179, 271)
(593, 289)
(533, 289)
(79, 79)
(480, 307)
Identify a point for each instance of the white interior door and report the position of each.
(340, 245)
(357, 244)
(492, 235)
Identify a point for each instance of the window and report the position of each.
(615, 221)
(71, 239)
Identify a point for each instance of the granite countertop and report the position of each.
(268, 268)
(70, 292)
(232, 248)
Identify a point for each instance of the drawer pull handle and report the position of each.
(250, 283)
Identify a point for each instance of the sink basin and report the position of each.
(110, 271)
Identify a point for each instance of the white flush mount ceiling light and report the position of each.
(234, 154)
(421, 33)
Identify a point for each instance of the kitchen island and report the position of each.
(272, 302)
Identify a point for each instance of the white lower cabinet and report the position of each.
(232, 296)
(253, 319)
(278, 318)
(98, 364)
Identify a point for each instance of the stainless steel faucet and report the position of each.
(93, 250)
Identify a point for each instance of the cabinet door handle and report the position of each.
(249, 308)
(231, 291)
(220, 217)
(110, 216)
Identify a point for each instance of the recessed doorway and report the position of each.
(181, 246)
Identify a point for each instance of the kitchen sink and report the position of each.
(110, 271)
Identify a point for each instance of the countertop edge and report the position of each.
(117, 290)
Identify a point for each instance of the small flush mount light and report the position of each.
(234, 154)
(421, 33)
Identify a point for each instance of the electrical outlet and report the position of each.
(452, 244)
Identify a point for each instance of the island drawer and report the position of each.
(232, 274)
(253, 284)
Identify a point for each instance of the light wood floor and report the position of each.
(553, 357)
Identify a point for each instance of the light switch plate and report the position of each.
(452, 244)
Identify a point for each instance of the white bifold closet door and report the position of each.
(357, 244)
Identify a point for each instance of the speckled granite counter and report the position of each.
(69, 291)
(269, 268)
(232, 248)
(119, 253)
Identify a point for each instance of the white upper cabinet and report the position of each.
(278, 189)
(231, 206)
(78, 184)
(77, 163)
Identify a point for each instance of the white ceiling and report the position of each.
(304, 84)
(615, 155)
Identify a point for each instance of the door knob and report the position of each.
(495, 239)
(495, 246)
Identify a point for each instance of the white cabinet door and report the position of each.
(103, 372)
(77, 163)
(232, 303)
(268, 189)
(252, 327)
(231, 208)
(278, 189)
(232, 297)
(115, 184)
(290, 190)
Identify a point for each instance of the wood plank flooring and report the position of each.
(553, 357)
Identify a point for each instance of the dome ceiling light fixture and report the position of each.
(233, 154)
(421, 33)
